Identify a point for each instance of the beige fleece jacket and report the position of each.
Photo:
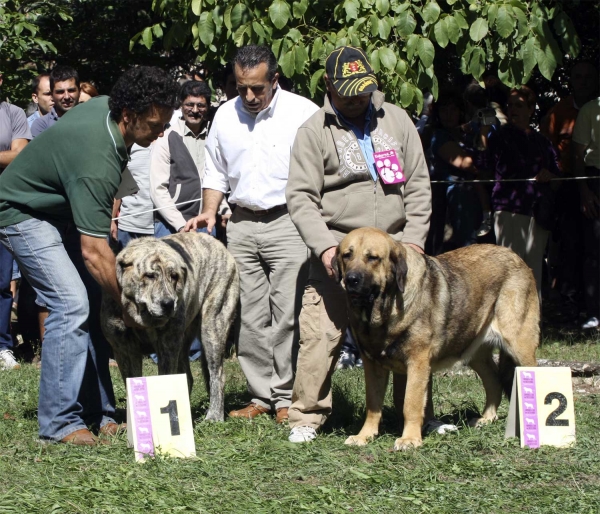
(330, 191)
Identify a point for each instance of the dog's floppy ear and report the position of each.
(399, 266)
(123, 262)
(335, 264)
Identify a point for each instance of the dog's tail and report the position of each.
(506, 371)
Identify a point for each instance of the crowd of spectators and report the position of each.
(475, 170)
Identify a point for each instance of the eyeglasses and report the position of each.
(191, 106)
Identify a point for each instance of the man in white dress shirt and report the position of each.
(248, 152)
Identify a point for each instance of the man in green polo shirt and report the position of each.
(55, 211)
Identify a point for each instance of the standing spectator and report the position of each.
(557, 126)
(178, 162)
(334, 187)
(41, 96)
(56, 200)
(14, 135)
(64, 86)
(516, 151)
(135, 211)
(88, 91)
(248, 150)
(586, 152)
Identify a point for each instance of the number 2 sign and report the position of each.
(159, 418)
(541, 408)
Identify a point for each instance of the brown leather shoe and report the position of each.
(112, 429)
(282, 415)
(250, 411)
(82, 437)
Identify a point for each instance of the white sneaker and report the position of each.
(302, 435)
(593, 322)
(7, 360)
(486, 225)
(346, 360)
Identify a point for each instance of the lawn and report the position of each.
(246, 466)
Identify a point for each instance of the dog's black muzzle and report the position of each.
(358, 289)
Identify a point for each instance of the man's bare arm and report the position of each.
(100, 262)
(211, 199)
(8, 156)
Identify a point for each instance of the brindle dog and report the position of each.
(413, 314)
(179, 287)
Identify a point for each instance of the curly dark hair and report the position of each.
(141, 87)
(194, 88)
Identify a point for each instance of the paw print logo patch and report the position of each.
(388, 167)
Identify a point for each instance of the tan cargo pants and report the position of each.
(323, 320)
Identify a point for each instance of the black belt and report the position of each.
(264, 212)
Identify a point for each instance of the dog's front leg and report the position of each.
(376, 380)
(399, 388)
(415, 400)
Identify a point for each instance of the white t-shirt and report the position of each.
(587, 131)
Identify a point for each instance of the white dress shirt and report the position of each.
(250, 153)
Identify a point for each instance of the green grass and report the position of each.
(246, 466)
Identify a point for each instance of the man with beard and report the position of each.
(64, 86)
(56, 201)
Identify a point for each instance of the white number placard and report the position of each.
(541, 408)
(159, 418)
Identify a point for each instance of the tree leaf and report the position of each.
(460, 19)
(411, 46)
(147, 37)
(351, 7)
(406, 23)
(529, 55)
(237, 15)
(288, 63)
(431, 12)
(279, 12)
(301, 58)
(196, 7)
(383, 6)
(479, 29)
(407, 94)
(387, 57)
(258, 28)
(505, 24)
(546, 61)
(315, 80)
(477, 62)
(492, 13)
(440, 29)
(374, 60)
(299, 8)
(317, 49)
(206, 28)
(426, 51)
(385, 27)
(453, 29)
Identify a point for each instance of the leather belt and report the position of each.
(264, 212)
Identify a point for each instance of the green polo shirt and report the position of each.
(70, 172)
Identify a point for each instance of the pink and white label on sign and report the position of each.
(531, 431)
(388, 167)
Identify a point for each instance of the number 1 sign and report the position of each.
(541, 408)
(159, 418)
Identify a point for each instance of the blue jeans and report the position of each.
(123, 238)
(6, 299)
(75, 385)
(464, 213)
(161, 230)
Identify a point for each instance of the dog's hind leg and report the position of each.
(376, 380)
(483, 364)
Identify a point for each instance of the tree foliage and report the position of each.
(401, 37)
(21, 39)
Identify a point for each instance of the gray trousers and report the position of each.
(273, 263)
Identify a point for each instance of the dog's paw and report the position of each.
(407, 443)
(214, 417)
(357, 440)
(479, 422)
